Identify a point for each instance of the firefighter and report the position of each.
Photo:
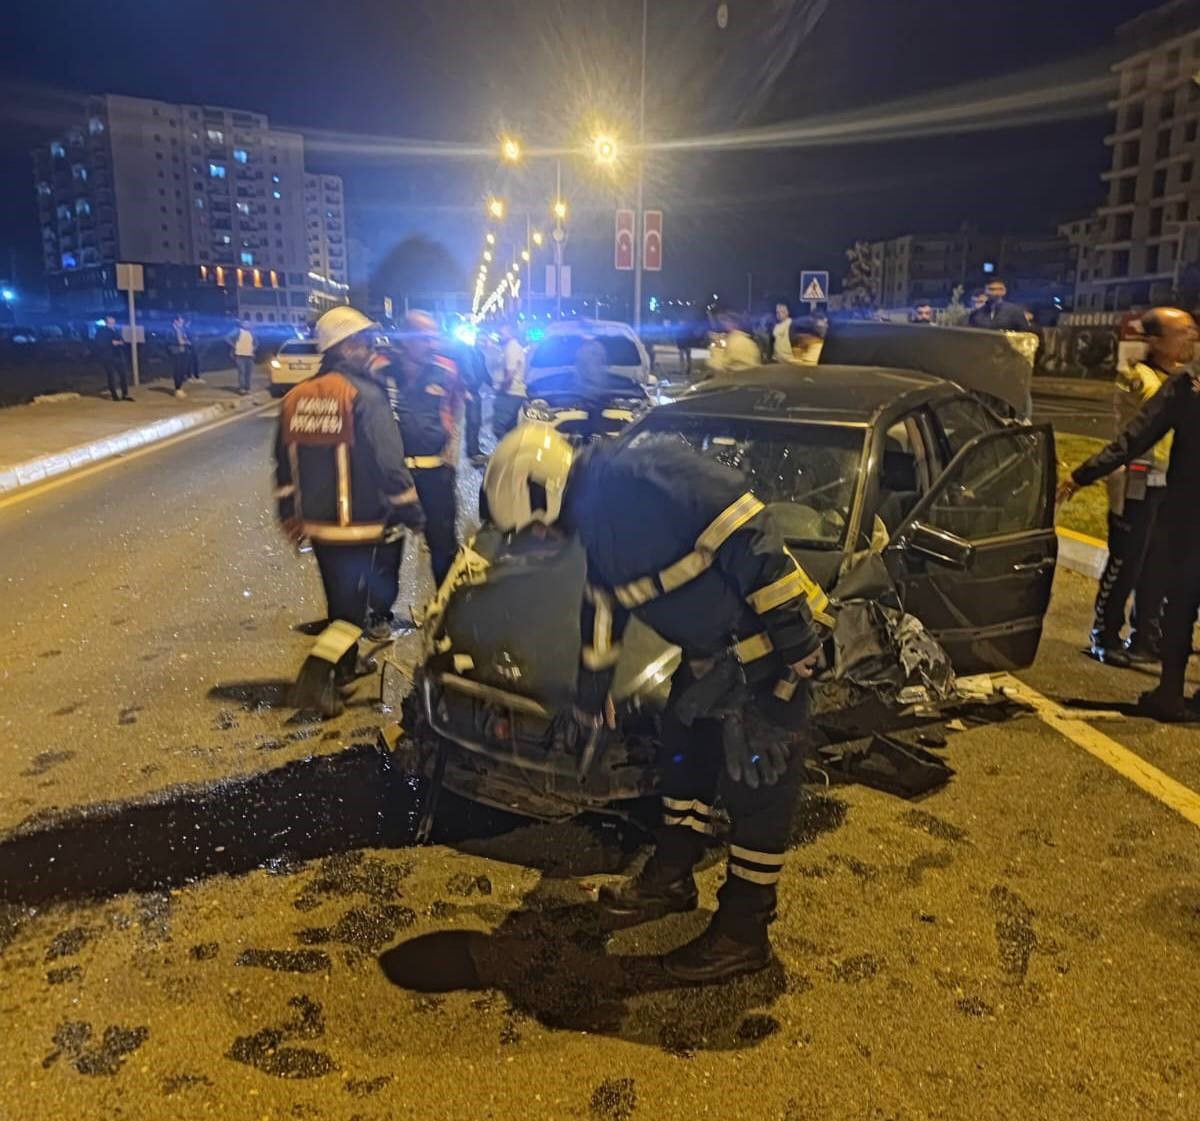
(342, 484)
(1135, 495)
(1173, 409)
(426, 394)
(677, 540)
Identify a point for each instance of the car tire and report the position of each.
(278, 390)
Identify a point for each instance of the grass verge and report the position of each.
(1087, 512)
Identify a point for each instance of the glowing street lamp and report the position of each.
(496, 209)
(491, 238)
(560, 210)
(537, 237)
(510, 149)
(487, 254)
(525, 255)
(604, 148)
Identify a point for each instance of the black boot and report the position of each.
(1109, 653)
(1166, 708)
(665, 885)
(723, 951)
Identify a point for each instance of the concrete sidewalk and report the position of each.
(67, 431)
(1088, 389)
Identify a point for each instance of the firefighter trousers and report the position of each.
(1136, 553)
(349, 574)
(436, 490)
(1183, 598)
(694, 780)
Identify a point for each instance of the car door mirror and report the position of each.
(936, 545)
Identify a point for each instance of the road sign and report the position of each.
(814, 287)
(652, 243)
(566, 281)
(130, 278)
(623, 247)
(552, 285)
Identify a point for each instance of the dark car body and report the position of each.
(884, 482)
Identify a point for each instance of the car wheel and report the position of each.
(278, 390)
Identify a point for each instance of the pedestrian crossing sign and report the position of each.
(814, 287)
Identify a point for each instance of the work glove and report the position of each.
(722, 688)
(762, 762)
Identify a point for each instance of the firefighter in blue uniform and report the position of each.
(342, 484)
(677, 540)
(426, 395)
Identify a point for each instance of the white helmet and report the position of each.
(338, 324)
(526, 476)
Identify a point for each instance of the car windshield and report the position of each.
(805, 473)
(560, 350)
(303, 348)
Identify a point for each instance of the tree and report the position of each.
(417, 266)
(956, 313)
(860, 285)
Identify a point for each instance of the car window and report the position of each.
(961, 420)
(904, 471)
(560, 350)
(998, 487)
(307, 349)
(806, 474)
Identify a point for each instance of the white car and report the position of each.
(296, 361)
(555, 354)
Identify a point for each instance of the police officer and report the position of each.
(342, 483)
(1135, 495)
(677, 540)
(1173, 409)
(425, 392)
(472, 368)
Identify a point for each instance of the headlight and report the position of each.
(275, 364)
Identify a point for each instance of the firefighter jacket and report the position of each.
(1176, 409)
(678, 540)
(1134, 386)
(339, 462)
(424, 404)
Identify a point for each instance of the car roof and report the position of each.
(816, 394)
(591, 327)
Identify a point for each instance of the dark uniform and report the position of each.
(111, 350)
(424, 403)
(1136, 549)
(677, 540)
(1175, 408)
(473, 368)
(342, 482)
(999, 316)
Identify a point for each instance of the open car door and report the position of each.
(974, 560)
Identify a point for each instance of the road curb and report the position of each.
(43, 467)
(1081, 553)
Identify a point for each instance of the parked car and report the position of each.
(294, 362)
(926, 514)
(583, 408)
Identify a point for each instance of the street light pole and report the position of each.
(639, 221)
(558, 239)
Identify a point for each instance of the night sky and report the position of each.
(360, 74)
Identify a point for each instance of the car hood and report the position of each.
(996, 364)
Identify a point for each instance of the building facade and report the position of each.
(926, 268)
(325, 229)
(211, 190)
(1146, 243)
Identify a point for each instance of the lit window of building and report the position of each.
(80, 172)
(241, 155)
(57, 150)
(276, 194)
(68, 261)
(216, 171)
(247, 257)
(82, 206)
(95, 126)
(215, 136)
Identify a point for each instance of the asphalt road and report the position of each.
(1025, 943)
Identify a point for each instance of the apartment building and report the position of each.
(325, 229)
(213, 198)
(1146, 242)
(916, 268)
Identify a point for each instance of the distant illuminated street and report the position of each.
(943, 959)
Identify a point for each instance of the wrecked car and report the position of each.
(926, 514)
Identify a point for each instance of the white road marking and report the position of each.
(1156, 783)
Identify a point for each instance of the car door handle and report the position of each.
(1032, 566)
